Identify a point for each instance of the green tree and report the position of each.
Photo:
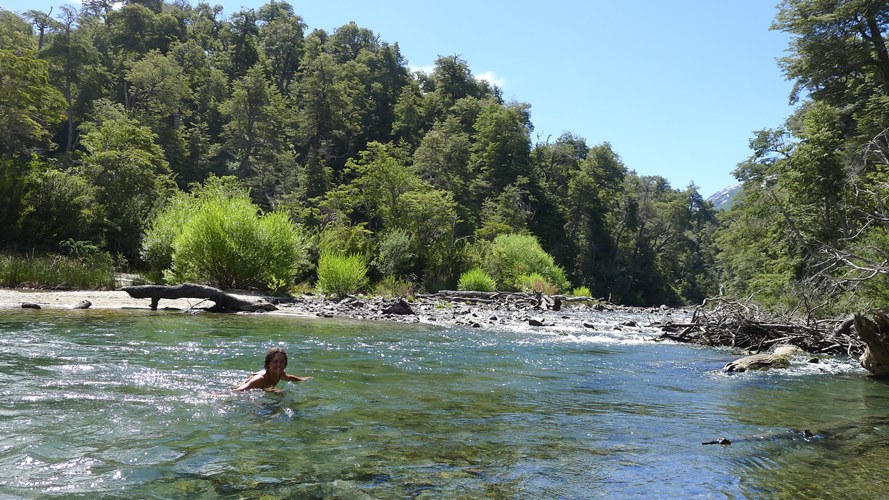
(74, 67)
(281, 36)
(16, 34)
(198, 126)
(157, 87)
(593, 189)
(128, 169)
(327, 115)
(58, 206)
(28, 103)
(258, 136)
(241, 35)
(501, 151)
(839, 49)
(442, 158)
(452, 80)
(380, 181)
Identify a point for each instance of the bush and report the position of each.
(477, 280)
(511, 256)
(340, 274)
(346, 239)
(157, 242)
(391, 286)
(395, 256)
(581, 291)
(218, 236)
(535, 282)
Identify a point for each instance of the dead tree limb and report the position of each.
(223, 302)
(720, 322)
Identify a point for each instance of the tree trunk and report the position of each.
(879, 43)
(874, 333)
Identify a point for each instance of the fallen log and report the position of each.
(223, 302)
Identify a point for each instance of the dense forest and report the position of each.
(110, 116)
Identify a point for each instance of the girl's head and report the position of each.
(269, 356)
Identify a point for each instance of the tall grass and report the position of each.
(57, 272)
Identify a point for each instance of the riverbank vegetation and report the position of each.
(87, 272)
(119, 123)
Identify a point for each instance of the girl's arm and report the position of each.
(252, 382)
(294, 378)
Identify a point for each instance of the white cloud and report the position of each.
(491, 78)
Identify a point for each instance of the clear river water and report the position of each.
(135, 404)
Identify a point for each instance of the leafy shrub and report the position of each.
(395, 256)
(391, 286)
(535, 282)
(59, 205)
(345, 239)
(581, 291)
(157, 242)
(218, 236)
(340, 274)
(476, 279)
(302, 288)
(512, 255)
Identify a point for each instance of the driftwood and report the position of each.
(875, 333)
(507, 300)
(725, 323)
(223, 301)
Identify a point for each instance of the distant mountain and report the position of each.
(724, 199)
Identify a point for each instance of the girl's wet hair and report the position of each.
(271, 354)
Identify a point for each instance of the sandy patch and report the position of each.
(100, 299)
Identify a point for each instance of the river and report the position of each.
(135, 404)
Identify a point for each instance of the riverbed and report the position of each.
(135, 403)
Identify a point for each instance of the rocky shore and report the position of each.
(513, 311)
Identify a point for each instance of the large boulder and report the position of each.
(779, 358)
(400, 306)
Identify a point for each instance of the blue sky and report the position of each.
(677, 88)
